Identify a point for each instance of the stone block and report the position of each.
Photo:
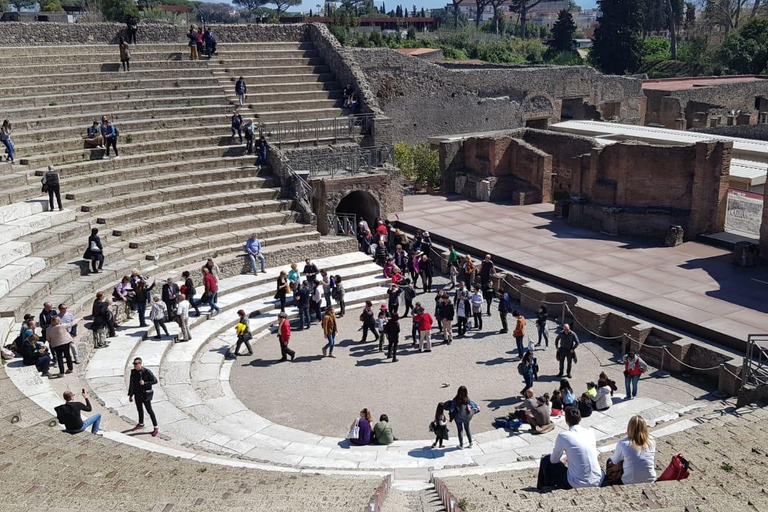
(523, 197)
(745, 254)
(674, 236)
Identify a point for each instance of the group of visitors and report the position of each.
(363, 431)
(249, 128)
(102, 135)
(49, 340)
(201, 42)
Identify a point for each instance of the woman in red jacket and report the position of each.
(633, 368)
(211, 290)
(284, 336)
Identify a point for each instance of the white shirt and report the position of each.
(638, 465)
(182, 309)
(580, 447)
(603, 398)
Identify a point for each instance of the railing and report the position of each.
(342, 224)
(447, 498)
(755, 369)
(351, 162)
(317, 130)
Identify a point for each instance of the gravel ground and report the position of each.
(324, 395)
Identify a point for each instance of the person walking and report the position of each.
(439, 426)
(284, 336)
(142, 299)
(527, 369)
(476, 300)
(111, 133)
(237, 125)
(282, 289)
(52, 184)
(244, 335)
(505, 306)
(424, 320)
(446, 311)
(634, 367)
(241, 89)
(68, 414)
(211, 290)
(339, 297)
(369, 322)
(565, 345)
(182, 317)
(95, 252)
(140, 391)
(541, 325)
(189, 290)
(330, 328)
(59, 340)
(158, 314)
(519, 333)
(462, 409)
(463, 310)
(392, 331)
(125, 55)
(253, 249)
(5, 138)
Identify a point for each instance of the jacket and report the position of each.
(519, 327)
(143, 393)
(425, 321)
(240, 87)
(57, 335)
(329, 325)
(93, 239)
(392, 330)
(446, 311)
(29, 353)
(284, 332)
(190, 291)
(635, 366)
(158, 311)
(211, 286)
(504, 305)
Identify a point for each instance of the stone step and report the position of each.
(112, 66)
(268, 61)
(97, 88)
(287, 97)
(297, 105)
(54, 77)
(277, 70)
(149, 232)
(21, 210)
(306, 113)
(87, 49)
(271, 78)
(292, 86)
(26, 227)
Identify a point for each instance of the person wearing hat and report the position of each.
(426, 243)
(51, 185)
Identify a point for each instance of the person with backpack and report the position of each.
(505, 306)
(260, 146)
(51, 184)
(241, 89)
(158, 313)
(634, 367)
(330, 329)
(68, 414)
(249, 130)
(140, 391)
(462, 410)
(111, 133)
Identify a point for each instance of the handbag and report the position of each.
(94, 247)
(44, 189)
(677, 469)
(354, 432)
(614, 473)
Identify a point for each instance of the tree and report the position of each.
(51, 6)
(399, 12)
(562, 32)
(617, 43)
(423, 14)
(496, 4)
(215, 13)
(724, 13)
(522, 7)
(249, 6)
(690, 14)
(118, 10)
(456, 4)
(282, 5)
(746, 51)
(23, 4)
(479, 8)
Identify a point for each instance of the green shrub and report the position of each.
(419, 163)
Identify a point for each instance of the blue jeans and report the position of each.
(520, 349)
(304, 316)
(212, 302)
(631, 380)
(528, 380)
(11, 150)
(261, 156)
(543, 333)
(331, 342)
(262, 260)
(94, 421)
(463, 424)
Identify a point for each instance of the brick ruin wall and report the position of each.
(426, 100)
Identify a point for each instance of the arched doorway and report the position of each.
(361, 204)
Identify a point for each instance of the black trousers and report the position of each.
(462, 322)
(426, 281)
(478, 320)
(369, 327)
(195, 304)
(132, 36)
(140, 406)
(61, 352)
(54, 190)
(240, 341)
(408, 306)
(342, 307)
(97, 257)
(392, 348)
(285, 351)
(504, 326)
(112, 142)
(552, 475)
(563, 356)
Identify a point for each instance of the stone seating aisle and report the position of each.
(728, 462)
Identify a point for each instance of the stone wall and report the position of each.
(570, 158)
(25, 34)
(426, 99)
(751, 131)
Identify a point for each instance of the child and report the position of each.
(439, 426)
(557, 403)
(585, 405)
(381, 321)
(591, 391)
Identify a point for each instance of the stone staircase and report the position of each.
(183, 189)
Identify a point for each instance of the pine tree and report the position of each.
(423, 14)
(562, 32)
(618, 38)
(399, 12)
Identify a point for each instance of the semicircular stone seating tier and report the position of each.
(183, 188)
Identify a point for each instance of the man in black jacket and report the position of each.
(68, 414)
(46, 315)
(140, 389)
(565, 344)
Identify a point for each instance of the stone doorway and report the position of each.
(361, 204)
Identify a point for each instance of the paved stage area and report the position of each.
(323, 396)
(692, 286)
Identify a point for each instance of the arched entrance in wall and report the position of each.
(361, 204)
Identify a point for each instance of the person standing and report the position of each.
(339, 290)
(566, 344)
(426, 270)
(188, 289)
(463, 310)
(579, 446)
(317, 300)
(243, 330)
(182, 317)
(439, 426)
(59, 340)
(488, 294)
(633, 368)
(132, 28)
(170, 293)
(463, 409)
(70, 323)
(330, 328)
(476, 299)
(505, 306)
(453, 265)
(446, 312)
(393, 297)
(302, 296)
(68, 414)
(282, 289)
(284, 336)
(125, 55)
(241, 89)
(5, 138)
(142, 298)
(392, 331)
(192, 36)
(95, 251)
(253, 248)
(369, 322)
(519, 333)
(52, 183)
(424, 321)
(111, 133)
(541, 325)
(211, 290)
(325, 280)
(260, 147)
(140, 391)
(469, 271)
(487, 269)
(46, 316)
(158, 314)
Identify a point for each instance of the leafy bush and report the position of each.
(655, 48)
(419, 163)
(565, 59)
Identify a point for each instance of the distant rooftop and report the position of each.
(681, 84)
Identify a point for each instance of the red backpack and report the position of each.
(677, 469)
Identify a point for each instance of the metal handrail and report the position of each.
(755, 368)
(354, 161)
(342, 224)
(296, 131)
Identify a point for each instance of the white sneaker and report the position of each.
(118, 156)
(105, 157)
